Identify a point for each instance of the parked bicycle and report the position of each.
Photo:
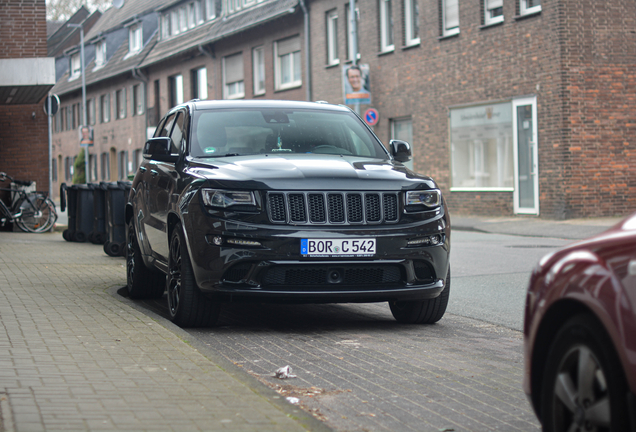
(31, 211)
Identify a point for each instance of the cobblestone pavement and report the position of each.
(74, 357)
(359, 370)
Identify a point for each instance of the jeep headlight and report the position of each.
(423, 199)
(225, 199)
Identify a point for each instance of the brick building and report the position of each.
(26, 75)
(513, 106)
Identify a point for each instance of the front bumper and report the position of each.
(274, 270)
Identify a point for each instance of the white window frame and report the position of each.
(135, 36)
(294, 61)
(174, 23)
(233, 89)
(258, 70)
(201, 83)
(76, 66)
(524, 9)
(183, 19)
(176, 86)
(104, 108)
(332, 38)
(446, 30)
(138, 101)
(489, 7)
(210, 9)
(386, 26)
(100, 54)
(411, 23)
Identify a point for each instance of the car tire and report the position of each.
(423, 311)
(584, 387)
(142, 282)
(188, 307)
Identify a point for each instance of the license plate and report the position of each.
(337, 247)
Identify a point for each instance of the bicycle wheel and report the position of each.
(38, 214)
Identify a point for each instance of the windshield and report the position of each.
(218, 133)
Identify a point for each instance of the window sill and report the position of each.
(449, 36)
(332, 65)
(388, 51)
(481, 189)
(527, 15)
(288, 87)
(411, 45)
(487, 26)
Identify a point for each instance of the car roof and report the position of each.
(260, 104)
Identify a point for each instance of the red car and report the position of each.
(580, 334)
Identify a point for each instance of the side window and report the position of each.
(165, 126)
(177, 132)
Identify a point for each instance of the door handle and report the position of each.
(533, 165)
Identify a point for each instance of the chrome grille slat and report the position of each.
(337, 208)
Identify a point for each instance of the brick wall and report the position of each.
(569, 56)
(24, 128)
(23, 28)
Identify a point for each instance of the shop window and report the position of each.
(482, 148)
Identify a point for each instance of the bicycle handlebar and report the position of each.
(4, 176)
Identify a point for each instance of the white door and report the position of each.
(524, 126)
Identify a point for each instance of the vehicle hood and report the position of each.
(307, 172)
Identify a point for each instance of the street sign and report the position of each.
(55, 105)
(371, 116)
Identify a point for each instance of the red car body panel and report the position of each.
(596, 275)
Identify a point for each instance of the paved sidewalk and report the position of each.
(73, 357)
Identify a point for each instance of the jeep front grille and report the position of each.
(333, 207)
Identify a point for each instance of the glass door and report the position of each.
(526, 195)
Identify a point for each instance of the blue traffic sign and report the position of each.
(371, 116)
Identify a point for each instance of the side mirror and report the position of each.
(159, 149)
(400, 150)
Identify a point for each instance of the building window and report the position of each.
(122, 165)
(288, 70)
(58, 121)
(174, 22)
(527, 7)
(100, 54)
(136, 162)
(138, 100)
(135, 39)
(210, 9)
(332, 38)
(120, 100)
(183, 19)
(76, 66)
(258, 64)
(105, 107)
(482, 148)
(450, 17)
(233, 87)
(165, 26)
(54, 169)
(68, 168)
(402, 129)
(92, 167)
(411, 23)
(75, 116)
(105, 166)
(386, 26)
(200, 83)
(176, 90)
(69, 117)
(90, 108)
(493, 11)
(351, 43)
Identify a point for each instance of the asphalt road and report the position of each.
(358, 370)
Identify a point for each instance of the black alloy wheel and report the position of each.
(142, 282)
(186, 304)
(423, 311)
(584, 388)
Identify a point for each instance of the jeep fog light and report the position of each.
(241, 242)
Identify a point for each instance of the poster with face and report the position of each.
(355, 79)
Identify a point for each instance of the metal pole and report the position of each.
(353, 25)
(48, 114)
(84, 120)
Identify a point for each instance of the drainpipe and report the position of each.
(307, 56)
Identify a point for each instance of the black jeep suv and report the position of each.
(286, 202)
